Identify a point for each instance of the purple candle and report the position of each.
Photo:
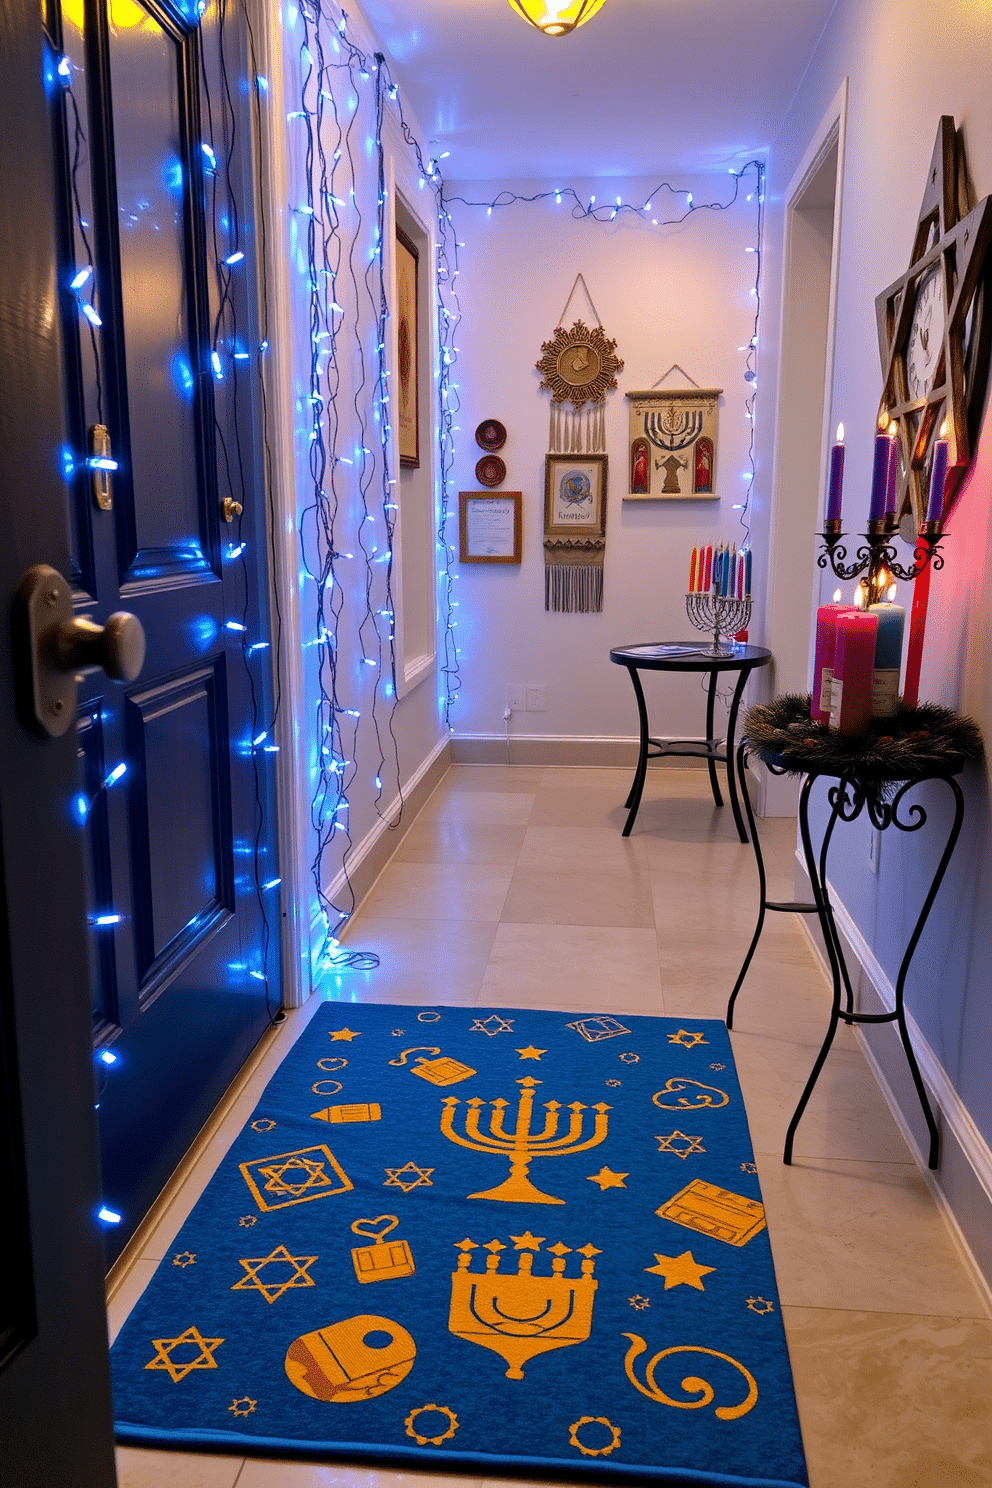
(893, 471)
(836, 482)
(938, 476)
(880, 476)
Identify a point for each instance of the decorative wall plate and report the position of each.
(490, 435)
(490, 471)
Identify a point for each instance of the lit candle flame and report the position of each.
(840, 433)
(891, 593)
(859, 595)
(892, 428)
(943, 430)
(837, 596)
(883, 420)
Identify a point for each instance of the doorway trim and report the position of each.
(797, 504)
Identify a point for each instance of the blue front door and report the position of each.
(176, 770)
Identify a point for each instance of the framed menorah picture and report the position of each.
(673, 444)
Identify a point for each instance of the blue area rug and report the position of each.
(502, 1242)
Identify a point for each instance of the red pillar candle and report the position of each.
(823, 658)
(854, 673)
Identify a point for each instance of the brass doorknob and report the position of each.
(229, 508)
(51, 644)
(118, 647)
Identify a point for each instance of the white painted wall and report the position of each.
(898, 90)
(667, 294)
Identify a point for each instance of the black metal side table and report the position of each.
(689, 656)
(848, 798)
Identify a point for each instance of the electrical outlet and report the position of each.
(874, 849)
(516, 699)
(537, 698)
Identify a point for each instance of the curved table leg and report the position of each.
(829, 933)
(714, 779)
(742, 677)
(762, 889)
(633, 800)
(900, 1013)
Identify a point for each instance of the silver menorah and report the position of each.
(722, 614)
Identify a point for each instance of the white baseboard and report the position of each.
(369, 857)
(954, 1119)
(559, 749)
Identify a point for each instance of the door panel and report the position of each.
(177, 945)
(182, 859)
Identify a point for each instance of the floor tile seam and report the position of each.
(930, 1317)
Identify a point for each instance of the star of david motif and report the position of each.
(263, 1124)
(178, 1369)
(309, 1174)
(718, 1066)
(247, 1220)
(668, 1144)
(243, 1407)
(273, 1290)
(613, 1082)
(398, 1033)
(638, 1303)
(492, 1026)
(687, 1040)
(630, 1058)
(760, 1305)
(952, 237)
(184, 1258)
(749, 1167)
(415, 1177)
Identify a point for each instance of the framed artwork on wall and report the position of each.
(673, 439)
(489, 526)
(575, 497)
(408, 348)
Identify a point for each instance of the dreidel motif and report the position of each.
(384, 1259)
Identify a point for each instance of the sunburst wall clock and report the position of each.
(935, 329)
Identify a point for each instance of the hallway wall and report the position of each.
(898, 89)
(667, 294)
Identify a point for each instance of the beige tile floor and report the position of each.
(514, 887)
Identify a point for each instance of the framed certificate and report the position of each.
(489, 526)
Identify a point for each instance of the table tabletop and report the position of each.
(688, 656)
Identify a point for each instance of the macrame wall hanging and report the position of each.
(580, 368)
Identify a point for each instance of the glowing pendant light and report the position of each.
(556, 17)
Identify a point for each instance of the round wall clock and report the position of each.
(935, 329)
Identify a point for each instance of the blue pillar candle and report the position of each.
(938, 477)
(888, 659)
(835, 485)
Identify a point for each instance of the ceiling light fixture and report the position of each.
(556, 17)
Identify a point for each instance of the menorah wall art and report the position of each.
(521, 1145)
(673, 440)
(521, 1315)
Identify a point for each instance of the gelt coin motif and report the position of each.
(355, 1359)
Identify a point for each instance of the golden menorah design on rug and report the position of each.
(522, 1145)
(521, 1315)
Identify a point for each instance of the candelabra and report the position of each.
(521, 1145)
(876, 558)
(721, 613)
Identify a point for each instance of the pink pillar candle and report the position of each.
(854, 673)
(823, 659)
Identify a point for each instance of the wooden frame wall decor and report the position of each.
(673, 443)
(489, 526)
(408, 348)
(575, 498)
